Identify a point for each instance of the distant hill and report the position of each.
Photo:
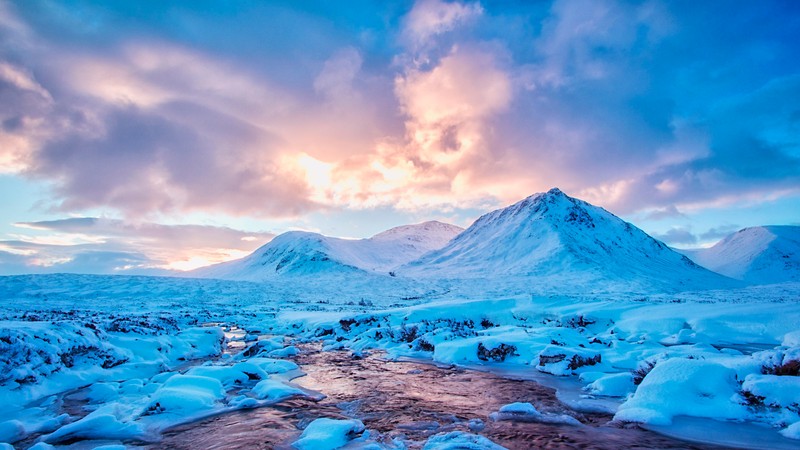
(757, 255)
(298, 253)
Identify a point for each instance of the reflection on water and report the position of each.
(412, 401)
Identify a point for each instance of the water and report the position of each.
(411, 401)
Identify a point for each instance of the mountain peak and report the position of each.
(553, 206)
(758, 255)
(560, 239)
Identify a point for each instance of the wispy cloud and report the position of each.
(99, 245)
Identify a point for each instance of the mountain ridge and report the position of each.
(297, 253)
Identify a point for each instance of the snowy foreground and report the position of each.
(107, 361)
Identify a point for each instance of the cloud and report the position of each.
(668, 212)
(653, 106)
(677, 237)
(465, 85)
(591, 40)
(100, 245)
(335, 81)
(429, 18)
(448, 109)
(716, 233)
(163, 131)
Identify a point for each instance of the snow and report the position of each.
(275, 390)
(774, 391)
(684, 387)
(556, 239)
(328, 434)
(187, 394)
(519, 408)
(757, 255)
(305, 253)
(12, 431)
(41, 446)
(526, 412)
(458, 440)
(612, 385)
(550, 289)
(792, 431)
(104, 423)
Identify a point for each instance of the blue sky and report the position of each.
(139, 136)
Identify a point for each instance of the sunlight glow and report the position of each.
(207, 259)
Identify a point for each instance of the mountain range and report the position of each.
(546, 239)
(298, 253)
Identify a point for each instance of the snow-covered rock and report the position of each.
(305, 253)
(559, 240)
(525, 412)
(458, 440)
(757, 255)
(688, 387)
(612, 385)
(329, 434)
(275, 390)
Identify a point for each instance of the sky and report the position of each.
(139, 137)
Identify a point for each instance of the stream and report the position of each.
(409, 401)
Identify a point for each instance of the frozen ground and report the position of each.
(90, 360)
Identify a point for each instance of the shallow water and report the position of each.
(411, 401)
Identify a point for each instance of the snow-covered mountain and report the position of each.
(757, 255)
(305, 253)
(552, 238)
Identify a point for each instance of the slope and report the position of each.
(302, 253)
(757, 255)
(551, 238)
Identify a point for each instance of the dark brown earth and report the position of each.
(413, 401)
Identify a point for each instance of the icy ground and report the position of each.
(90, 361)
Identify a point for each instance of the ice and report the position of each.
(41, 446)
(283, 352)
(329, 434)
(459, 440)
(103, 392)
(526, 412)
(272, 366)
(229, 375)
(12, 431)
(520, 408)
(105, 423)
